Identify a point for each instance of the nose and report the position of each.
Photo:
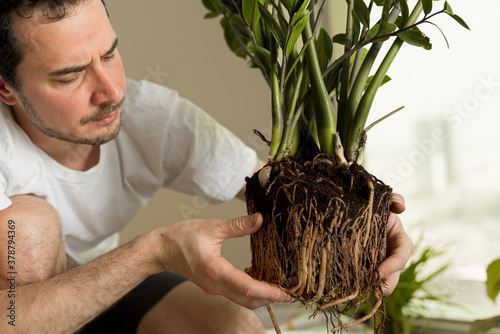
(106, 90)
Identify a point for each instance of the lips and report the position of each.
(108, 119)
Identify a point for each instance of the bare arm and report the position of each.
(66, 302)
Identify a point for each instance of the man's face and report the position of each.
(72, 82)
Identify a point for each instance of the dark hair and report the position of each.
(11, 50)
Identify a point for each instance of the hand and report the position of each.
(399, 247)
(193, 249)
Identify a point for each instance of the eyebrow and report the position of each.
(75, 69)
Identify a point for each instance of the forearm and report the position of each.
(66, 302)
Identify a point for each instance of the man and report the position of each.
(70, 180)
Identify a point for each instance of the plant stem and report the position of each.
(290, 139)
(277, 116)
(359, 83)
(325, 118)
(366, 101)
(343, 112)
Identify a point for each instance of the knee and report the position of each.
(33, 228)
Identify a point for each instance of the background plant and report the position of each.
(415, 291)
(492, 289)
(315, 98)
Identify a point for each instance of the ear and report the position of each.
(7, 93)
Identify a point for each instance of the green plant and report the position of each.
(493, 289)
(414, 292)
(314, 97)
(325, 217)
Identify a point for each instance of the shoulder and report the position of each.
(9, 131)
(148, 94)
(21, 163)
(152, 110)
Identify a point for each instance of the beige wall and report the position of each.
(169, 42)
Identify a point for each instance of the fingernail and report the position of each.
(397, 200)
(286, 298)
(253, 218)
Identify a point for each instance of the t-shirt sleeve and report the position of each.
(5, 202)
(211, 161)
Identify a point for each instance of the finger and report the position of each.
(397, 203)
(399, 248)
(246, 291)
(390, 283)
(240, 226)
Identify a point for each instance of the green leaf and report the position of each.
(362, 12)
(230, 5)
(264, 57)
(384, 81)
(416, 37)
(237, 25)
(260, 35)
(211, 15)
(339, 39)
(298, 15)
(250, 11)
(460, 21)
(448, 9)
(297, 4)
(231, 39)
(457, 18)
(213, 5)
(273, 25)
(295, 34)
(356, 29)
(376, 31)
(247, 9)
(385, 12)
(324, 48)
(405, 12)
(427, 6)
(289, 4)
(493, 280)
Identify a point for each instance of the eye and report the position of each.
(70, 81)
(109, 57)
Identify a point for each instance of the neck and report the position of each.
(74, 156)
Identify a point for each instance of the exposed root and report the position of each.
(339, 152)
(374, 310)
(340, 301)
(273, 319)
(370, 211)
(322, 275)
(324, 232)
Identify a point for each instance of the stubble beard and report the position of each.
(103, 111)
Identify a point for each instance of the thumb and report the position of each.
(242, 226)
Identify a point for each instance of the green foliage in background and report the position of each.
(414, 292)
(493, 289)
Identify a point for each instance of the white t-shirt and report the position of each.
(165, 141)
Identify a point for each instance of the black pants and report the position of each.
(124, 316)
